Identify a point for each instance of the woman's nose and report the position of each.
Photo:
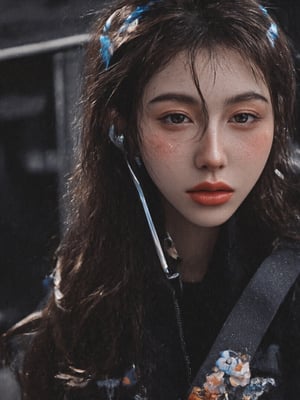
(210, 152)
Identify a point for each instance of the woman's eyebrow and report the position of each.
(185, 98)
(247, 96)
(178, 97)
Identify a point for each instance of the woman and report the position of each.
(187, 130)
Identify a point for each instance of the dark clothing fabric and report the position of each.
(181, 324)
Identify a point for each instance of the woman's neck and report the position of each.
(194, 244)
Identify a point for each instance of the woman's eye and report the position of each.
(243, 118)
(176, 118)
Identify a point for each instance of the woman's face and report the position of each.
(204, 172)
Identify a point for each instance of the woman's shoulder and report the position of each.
(290, 258)
(284, 333)
(284, 330)
(286, 256)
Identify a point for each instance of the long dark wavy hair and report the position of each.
(107, 262)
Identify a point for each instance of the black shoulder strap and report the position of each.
(249, 319)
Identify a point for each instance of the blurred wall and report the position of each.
(40, 65)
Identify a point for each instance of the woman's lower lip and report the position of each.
(211, 198)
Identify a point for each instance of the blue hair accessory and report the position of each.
(129, 24)
(132, 20)
(106, 49)
(272, 33)
(107, 24)
(264, 10)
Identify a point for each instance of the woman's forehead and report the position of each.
(222, 67)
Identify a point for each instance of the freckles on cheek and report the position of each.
(158, 146)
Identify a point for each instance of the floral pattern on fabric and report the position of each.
(231, 380)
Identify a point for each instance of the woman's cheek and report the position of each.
(156, 146)
(257, 146)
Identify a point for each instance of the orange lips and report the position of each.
(211, 193)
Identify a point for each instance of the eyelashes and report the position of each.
(175, 119)
(244, 118)
(241, 118)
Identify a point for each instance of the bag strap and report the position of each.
(251, 316)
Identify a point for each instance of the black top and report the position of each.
(204, 307)
(163, 370)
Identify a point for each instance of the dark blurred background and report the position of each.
(41, 49)
(40, 63)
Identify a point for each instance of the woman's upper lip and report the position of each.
(211, 187)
